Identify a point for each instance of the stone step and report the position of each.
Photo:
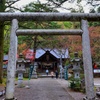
(44, 76)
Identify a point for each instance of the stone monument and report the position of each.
(20, 69)
(76, 65)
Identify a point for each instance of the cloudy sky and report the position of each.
(22, 3)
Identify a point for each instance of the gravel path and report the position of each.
(42, 89)
(48, 89)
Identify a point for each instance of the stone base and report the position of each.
(27, 87)
(34, 75)
(85, 98)
(21, 86)
(10, 99)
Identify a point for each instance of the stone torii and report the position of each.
(83, 18)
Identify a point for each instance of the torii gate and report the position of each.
(83, 32)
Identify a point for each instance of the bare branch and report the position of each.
(10, 3)
(19, 9)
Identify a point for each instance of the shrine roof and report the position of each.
(40, 52)
(54, 52)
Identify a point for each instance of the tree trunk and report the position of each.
(1, 49)
(2, 8)
(2, 5)
(35, 47)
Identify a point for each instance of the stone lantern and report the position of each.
(76, 66)
(34, 73)
(20, 69)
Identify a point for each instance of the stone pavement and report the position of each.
(48, 89)
(42, 89)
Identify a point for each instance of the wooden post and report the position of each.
(12, 62)
(87, 61)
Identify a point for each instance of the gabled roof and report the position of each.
(58, 53)
(55, 52)
(40, 52)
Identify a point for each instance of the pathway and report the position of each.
(48, 89)
(43, 89)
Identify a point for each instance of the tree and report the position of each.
(34, 41)
(95, 41)
(6, 39)
(37, 7)
(2, 9)
(76, 5)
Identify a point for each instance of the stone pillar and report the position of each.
(12, 62)
(20, 79)
(87, 61)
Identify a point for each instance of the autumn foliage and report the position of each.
(95, 42)
(29, 54)
(73, 43)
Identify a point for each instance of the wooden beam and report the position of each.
(48, 32)
(87, 61)
(41, 16)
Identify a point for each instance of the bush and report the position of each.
(75, 84)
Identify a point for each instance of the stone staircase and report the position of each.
(43, 75)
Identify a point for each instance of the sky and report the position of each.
(22, 3)
(25, 2)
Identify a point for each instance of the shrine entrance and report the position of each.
(47, 61)
(83, 32)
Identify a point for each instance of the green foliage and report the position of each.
(68, 24)
(94, 24)
(75, 84)
(78, 84)
(6, 39)
(53, 25)
(38, 7)
(67, 62)
(2, 5)
(43, 41)
(94, 5)
(4, 82)
(2, 8)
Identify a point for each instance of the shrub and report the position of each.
(75, 84)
